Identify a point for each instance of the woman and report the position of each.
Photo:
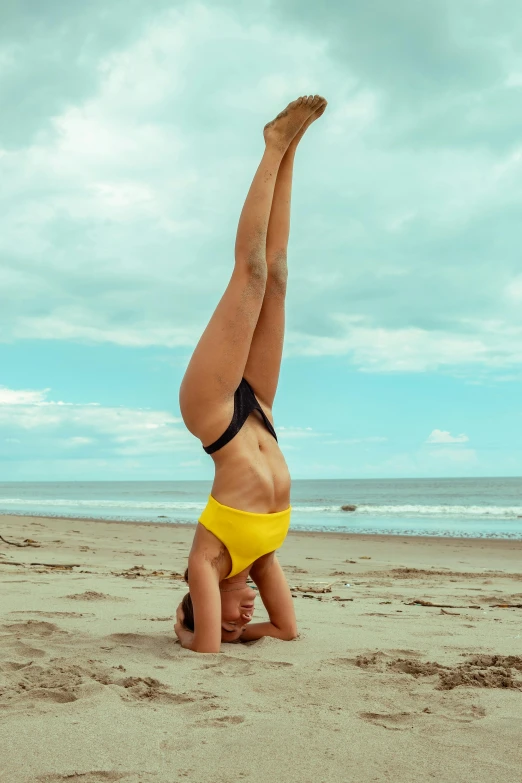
(226, 400)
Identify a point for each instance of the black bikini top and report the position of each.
(244, 403)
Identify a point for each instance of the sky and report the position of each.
(129, 137)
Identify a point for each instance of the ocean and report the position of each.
(470, 507)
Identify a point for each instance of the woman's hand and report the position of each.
(184, 635)
(277, 598)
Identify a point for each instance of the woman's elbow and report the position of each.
(289, 634)
(209, 649)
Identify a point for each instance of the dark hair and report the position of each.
(188, 609)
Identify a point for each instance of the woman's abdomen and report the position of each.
(252, 474)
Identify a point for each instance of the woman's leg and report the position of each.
(264, 360)
(218, 362)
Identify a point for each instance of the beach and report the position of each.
(408, 665)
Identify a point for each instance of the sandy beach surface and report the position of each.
(408, 666)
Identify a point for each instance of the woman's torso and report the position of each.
(251, 472)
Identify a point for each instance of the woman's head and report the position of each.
(237, 609)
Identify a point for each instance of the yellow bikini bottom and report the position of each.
(246, 535)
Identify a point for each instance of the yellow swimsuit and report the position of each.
(246, 535)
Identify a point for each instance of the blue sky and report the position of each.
(130, 135)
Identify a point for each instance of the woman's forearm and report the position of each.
(187, 640)
(258, 630)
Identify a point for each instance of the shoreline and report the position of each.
(332, 533)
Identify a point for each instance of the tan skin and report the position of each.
(244, 338)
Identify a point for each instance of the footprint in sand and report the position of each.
(14, 666)
(480, 671)
(229, 666)
(92, 595)
(34, 628)
(134, 640)
(350, 662)
(393, 721)
(53, 614)
(415, 668)
(24, 650)
(94, 776)
(222, 722)
(463, 713)
(373, 660)
(160, 646)
(41, 683)
(149, 689)
(61, 682)
(484, 671)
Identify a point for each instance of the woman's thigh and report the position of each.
(218, 362)
(264, 360)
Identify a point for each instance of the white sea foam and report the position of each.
(109, 504)
(411, 510)
(176, 506)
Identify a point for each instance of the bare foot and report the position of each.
(312, 118)
(280, 131)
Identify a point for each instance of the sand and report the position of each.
(379, 687)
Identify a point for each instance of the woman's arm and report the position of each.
(258, 630)
(204, 590)
(275, 594)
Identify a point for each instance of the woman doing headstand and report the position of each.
(226, 400)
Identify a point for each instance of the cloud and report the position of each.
(459, 457)
(116, 214)
(37, 424)
(444, 70)
(514, 289)
(74, 325)
(125, 167)
(355, 441)
(50, 56)
(296, 432)
(443, 436)
(76, 441)
(490, 344)
(21, 397)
